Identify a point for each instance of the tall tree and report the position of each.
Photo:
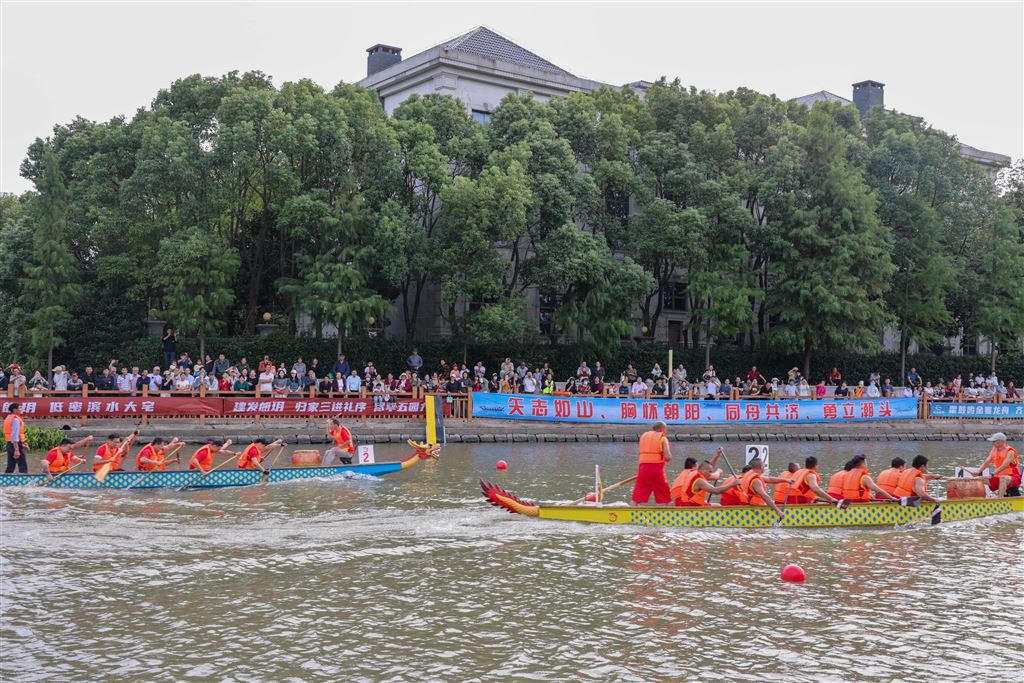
(833, 267)
(50, 287)
(197, 281)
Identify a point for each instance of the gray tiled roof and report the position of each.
(821, 96)
(484, 42)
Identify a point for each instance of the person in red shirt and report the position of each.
(1005, 463)
(153, 455)
(252, 455)
(344, 446)
(62, 458)
(202, 459)
(111, 451)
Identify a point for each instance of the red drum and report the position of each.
(306, 459)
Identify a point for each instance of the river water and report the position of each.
(415, 577)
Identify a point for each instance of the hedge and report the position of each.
(40, 439)
(389, 356)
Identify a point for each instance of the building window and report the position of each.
(480, 116)
(547, 304)
(674, 296)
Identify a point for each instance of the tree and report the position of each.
(16, 243)
(199, 270)
(50, 288)
(832, 266)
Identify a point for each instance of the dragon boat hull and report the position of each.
(759, 517)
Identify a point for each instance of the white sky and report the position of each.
(959, 65)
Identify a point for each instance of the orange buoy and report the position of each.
(591, 498)
(793, 573)
(502, 465)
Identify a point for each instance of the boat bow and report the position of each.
(421, 451)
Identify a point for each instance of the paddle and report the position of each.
(103, 471)
(606, 488)
(223, 449)
(141, 479)
(71, 454)
(67, 471)
(266, 472)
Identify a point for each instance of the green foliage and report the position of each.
(40, 439)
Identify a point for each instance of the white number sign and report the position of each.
(756, 451)
(366, 454)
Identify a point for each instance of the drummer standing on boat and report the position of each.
(650, 476)
(343, 449)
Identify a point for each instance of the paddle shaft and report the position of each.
(608, 488)
(122, 450)
(209, 471)
(67, 471)
(143, 477)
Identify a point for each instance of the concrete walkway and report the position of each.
(505, 431)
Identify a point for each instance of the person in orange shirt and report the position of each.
(14, 435)
(153, 455)
(754, 485)
(112, 451)
(888, 479)
(853, 483)
(781, 489)
(344, 446)
(252, 455)
(202, 459)
(914, 481)
(650, 476)
(693, 485)
(806, 484)
(1005, 462)
(62, 458)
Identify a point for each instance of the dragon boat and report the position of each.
(872, 514)
(192, 479)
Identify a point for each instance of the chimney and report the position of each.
(868, 94)
(380, 57)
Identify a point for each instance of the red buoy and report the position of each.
(502, 465)
(793, 573)
(590, 498)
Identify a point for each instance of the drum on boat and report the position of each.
(306, 459)
(965, 487)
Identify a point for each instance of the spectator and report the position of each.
(913, 379)
(598, 373)
(711, 388)
(75, 384)
(660, 388)
(873, 392)
(887, 388)
(265, 364)
(184, 361)
(242, 383)
(754, 375)
(597, 385)
(656, 371)
(583, 371)
(638, 388)
(789, 391)
(309, 380)
(1011, 391)
(858, 390)
(876, 378)
(521, 370)
(183, 382)
(243, 367)
(803, 389)
(529, 383)
(353, 384)
(507, 368)
(479, 370)
(571, 386)
(819, 389)
(106, 381)
(709, 374)
(156, 380)
(279, 384)
(170, 345)
(842, 391)
(38, 383)
(226, 382)
(370, 372)
(266, 378)
(221, 365)
(299, 368)
(208, 364)
(294, 383)
(793, 375)
(124, 382)
(60, 378)
(317, 369)
(89, 378)
(414, 362)
(341, 367)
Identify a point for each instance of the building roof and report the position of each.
(821, 96)
(983, 157)
(484, 42)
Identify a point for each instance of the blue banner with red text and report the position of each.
(640, 411)
(980, 411)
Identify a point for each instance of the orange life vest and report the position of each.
(9, 427)
(202, 457)
(836, 483)
(802, 493)
(747, 480)
(853, 486)
(888, 480)
(148, 451)
(905, 486)
(782, 489)
(343, 439)
(999, 458)
(249, 457)
(684, 488)
(650, 448)
(59, 462)
(107, 451)
(735, 495)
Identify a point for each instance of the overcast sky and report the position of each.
(960, 66)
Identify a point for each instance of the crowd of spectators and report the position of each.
(208, 376)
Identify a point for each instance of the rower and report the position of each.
(785, 480)
(62, 458)
(914, 482)
(1005, 463)
(753, 486)
(151, 456)
(735, 496)
(343, 447)
(202, 459)
(111, 451)
(806, 484)
(890, 478)
(252, 455)
(693, 485)
(855, 484)
(650, 476)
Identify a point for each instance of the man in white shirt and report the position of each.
(352, 383)
(60, 378)
(124, 382)
(529, 383)
(873, 391)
